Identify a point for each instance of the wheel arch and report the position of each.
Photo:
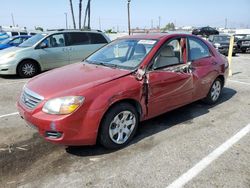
(130, 101)
(222, 78)
(29, 59)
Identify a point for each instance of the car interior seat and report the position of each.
(166, 57)
(139, 53)
(53, 42)
(61, 42)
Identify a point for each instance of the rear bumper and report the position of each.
(78, 128)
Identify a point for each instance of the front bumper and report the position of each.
(225, 50)
(78, 128)
(8, 66)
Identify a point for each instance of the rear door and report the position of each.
(82, 44)
(170, 84)
(204, 66)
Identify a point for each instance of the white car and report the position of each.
(50, 50)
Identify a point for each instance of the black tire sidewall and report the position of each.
(209, 99)
(104, 137)
(20, 72)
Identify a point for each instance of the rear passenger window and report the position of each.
(97, 38)
(197, 49)
(23, 33)
(78, 39)
(14, 33)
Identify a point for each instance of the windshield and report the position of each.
(123, 53)
(222, 39)
(33, 40)
(6, 41)
(247, 37)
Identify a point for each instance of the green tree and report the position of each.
(169, 27)
(39, 28)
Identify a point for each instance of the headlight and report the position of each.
(9, 55)
(63, 105)
(216, 45)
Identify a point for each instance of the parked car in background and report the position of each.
(13, 41)
(221, 43)
(238, 36)
(243, 44)
(50, 50)
(3, 36)
(205, 31)
(132, 79)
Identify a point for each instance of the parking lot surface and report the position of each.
(163, 150)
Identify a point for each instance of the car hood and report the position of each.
(224, 43)
(73, 79)
(3, 46)
(11, 49)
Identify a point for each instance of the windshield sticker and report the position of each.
(146, 41)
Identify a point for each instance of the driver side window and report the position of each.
(171, 53)
(56, 40)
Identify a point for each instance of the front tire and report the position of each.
(214, 92)
(118, 126)
(27, 69)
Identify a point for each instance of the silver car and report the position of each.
(50, 50)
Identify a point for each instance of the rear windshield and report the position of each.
(221, 38)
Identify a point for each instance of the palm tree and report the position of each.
(72, 12)
(80, 13)
(87, 13)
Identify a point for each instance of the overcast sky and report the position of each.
(113, 13)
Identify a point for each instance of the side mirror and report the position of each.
(43, 45)
(190, 67)
(140, 74)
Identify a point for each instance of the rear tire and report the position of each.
(214, 92)
(119, 126)
(27, 69)
(243, 50)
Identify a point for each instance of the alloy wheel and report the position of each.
(122, 126)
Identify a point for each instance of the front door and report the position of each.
(170, 83)
(56, 54)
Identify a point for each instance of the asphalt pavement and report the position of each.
(192, 146)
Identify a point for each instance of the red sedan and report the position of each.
(129, 80)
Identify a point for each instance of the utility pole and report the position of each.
(89, 15)
(159, 22)
(226, 23)
(66, 20)
(72, 12)
(152, 24)
(13, 22)
(100, 26)
(80, 14)
(128, 5)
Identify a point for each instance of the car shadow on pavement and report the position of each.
(14, 77)
(150, 127)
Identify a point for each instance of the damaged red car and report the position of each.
(132, 79)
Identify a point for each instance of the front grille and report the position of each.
(30, 99)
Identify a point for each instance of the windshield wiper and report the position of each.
(102, 63)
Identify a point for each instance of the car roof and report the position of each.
(20, 36)
(154, 36)
(221, 35)
(70, 30)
